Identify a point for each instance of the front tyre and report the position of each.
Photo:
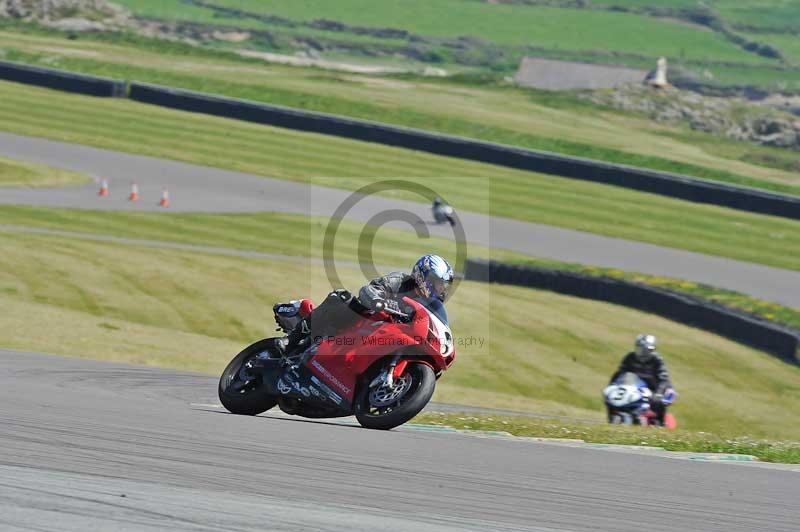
(241, 393)
(386, 408)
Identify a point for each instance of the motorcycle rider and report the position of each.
(428, 282)
(647, 363)
(442, 212)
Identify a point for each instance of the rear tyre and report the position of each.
(241, 393)
(383, 409)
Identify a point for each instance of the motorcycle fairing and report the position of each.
(628, 393)
(338, 361)
(299, 383)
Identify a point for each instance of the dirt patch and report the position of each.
(380, 82)
(70, 52)
(285, 59)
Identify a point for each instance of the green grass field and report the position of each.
(788, 43)
(766, 16)
(349, 164)
(539, 120)
(23, 174)
(502, 24)
(195, 310)
(472, 34)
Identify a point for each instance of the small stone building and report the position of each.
(550, 74)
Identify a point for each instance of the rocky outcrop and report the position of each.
(71, 15)
(777, 132)
(734, 118)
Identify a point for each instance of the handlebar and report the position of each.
(390, 307)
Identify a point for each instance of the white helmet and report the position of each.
(433, 276)
(644, 346)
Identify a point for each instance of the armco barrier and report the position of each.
(62, 80)
(744, 328)
(672, 185)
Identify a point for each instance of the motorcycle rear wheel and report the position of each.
(249, 400)
(420, 384)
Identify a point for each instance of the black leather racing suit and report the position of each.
(340, 310)
(395, 285)
(653, 371)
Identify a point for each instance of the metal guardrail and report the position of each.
(62, 80)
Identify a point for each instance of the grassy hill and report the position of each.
(717, 37)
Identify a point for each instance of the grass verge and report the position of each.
(787, 452)
(15, 173)
(347, 164)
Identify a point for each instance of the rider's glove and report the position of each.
(669, 396)
(376, 305)
(666, 397)
(385, 304)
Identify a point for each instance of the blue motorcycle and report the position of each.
(628, 400)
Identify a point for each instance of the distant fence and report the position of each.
(665, 184)
(763, 335)
(672, 185)
(62, 80)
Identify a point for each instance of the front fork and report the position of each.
(389, 373)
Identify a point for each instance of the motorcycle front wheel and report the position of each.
(241, 393)
(385, 408)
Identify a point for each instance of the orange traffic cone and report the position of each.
(134, 193)
(164, 198)
(103, 188)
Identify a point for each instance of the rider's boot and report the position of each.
(660, 411)
(331, 316)
(297, 337)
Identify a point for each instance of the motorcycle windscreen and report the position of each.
(437, 308)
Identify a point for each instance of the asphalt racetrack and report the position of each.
(204, 189)
(87, 445)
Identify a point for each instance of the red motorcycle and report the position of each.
(383, 369)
